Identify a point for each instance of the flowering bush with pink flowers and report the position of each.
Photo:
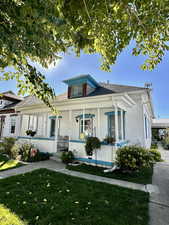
(31, 154)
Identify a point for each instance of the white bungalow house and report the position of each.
(89, 108)
(9, 119)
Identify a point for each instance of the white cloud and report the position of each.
(51, 67)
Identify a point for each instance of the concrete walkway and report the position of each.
(60, 167)
(121, 183)
(48, 164)
(159, 202)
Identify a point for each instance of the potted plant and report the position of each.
(92, 143)
(31, 133)
(109, 140)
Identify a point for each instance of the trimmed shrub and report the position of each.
(92, 143)
(133, 158)
(67, 157)
(31, 154)
(25, 150)
(6, 145)
(154, 146)
(43, 156)
(165, 143)
(156, 155)
(15, 151)
(36, 155)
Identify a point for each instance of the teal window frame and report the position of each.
(52, 133)
(109, 129)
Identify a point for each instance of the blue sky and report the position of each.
(125, 71)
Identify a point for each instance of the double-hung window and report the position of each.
(32, 124)
(112, 127)
(147, 127)
(86, 126)
(76, 91)
(13, 124)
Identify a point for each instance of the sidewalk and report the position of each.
(159, 202)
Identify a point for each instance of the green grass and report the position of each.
(6, 164)
(142, 177)
(45, 197)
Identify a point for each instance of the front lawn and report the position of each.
(144, 176)
(6, 164)
(46, 197)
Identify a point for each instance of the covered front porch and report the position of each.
(68, 130)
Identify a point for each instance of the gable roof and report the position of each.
(107, 88)
(9, 95)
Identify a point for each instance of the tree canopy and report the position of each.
(38, 30)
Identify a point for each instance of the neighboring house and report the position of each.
(9, 119)
(160, 123)
(93, 109)
(159, 127)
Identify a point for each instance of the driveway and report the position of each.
(159, 202)
(164, 153)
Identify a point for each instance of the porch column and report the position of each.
(122, 125)
(37, 123)
(45, 118)
(70, 123)
(83, 121)
(56, 133)
(116, 123)
(98, 123)
(20, 125)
